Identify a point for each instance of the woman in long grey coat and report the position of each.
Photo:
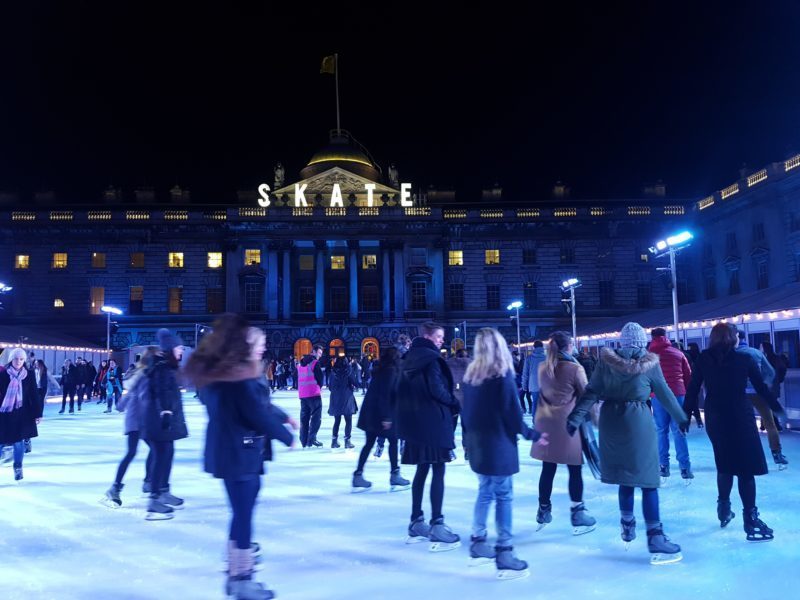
(624, 379)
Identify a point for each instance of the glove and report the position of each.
(571, 429)
(166, 419)
(684, 427)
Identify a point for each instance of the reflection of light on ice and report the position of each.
(322, 542)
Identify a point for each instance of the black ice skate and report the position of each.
(508, 565)
(628, 533)
(662, 551)
(480, 553)
(316, 444)
(112, 498)
(687, 476)
(17, 472)
(335, 444)
(755, 528)
(156, 511)
(244, 588)
(780, 460)
(6, 454)
(663, 470)
(544, 515)
(724, 513)
(170, 500)
(582, 522)
(397, 483)
(28, 446)
(348, 445)
(418, 531)
(442, 539)
(378, 452)
(359, 483)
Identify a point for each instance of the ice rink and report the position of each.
(322, 542)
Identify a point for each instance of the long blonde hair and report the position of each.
(559, 342)
(491, 357)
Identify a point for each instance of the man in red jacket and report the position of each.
(678, 375)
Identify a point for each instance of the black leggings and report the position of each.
(68, 391)
(747, 489)
(348, 425)
(546, 482)
(242, 496)
(162, 466)
(437, 490)
(368, 444)
(133, 443)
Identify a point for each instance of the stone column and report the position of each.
(286, 283)
(437, 281)
(319, 273)
(399, 283)
(272, 282)
(386, 278)
(232, 264)
(353, 273)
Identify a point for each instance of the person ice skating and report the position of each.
(562, 381)
(342, 402)
(68, 376)
(425, 409)
(494, 420)
(227, 370)
(624, 379)
(678, 375)
(779, 362)
(20, 408)
(161, 421)
(113, 384)
(377, 417)
(458, 366)
(729, 422)
(530, 375)
(692, 354)
(98, 381)
(131, 405)
(309, 389)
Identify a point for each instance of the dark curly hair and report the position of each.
(222, 349)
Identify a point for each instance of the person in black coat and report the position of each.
(68, 375)
(425, 409)
(20, 408)
(227, 371)
(342, 402)
(730, 424)
(113, 383)
(162, 421)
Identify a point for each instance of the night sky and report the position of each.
(211, 95)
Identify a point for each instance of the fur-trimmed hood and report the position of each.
(241, 372)
(638, 363)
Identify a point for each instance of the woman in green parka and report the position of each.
(624, 379)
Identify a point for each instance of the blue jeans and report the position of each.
(665, 423)
(501, 490)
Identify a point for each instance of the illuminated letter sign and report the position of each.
(336, 196)
(370, 187)
(300, 195)
(336, 199)
(263, 191)
(405, 195)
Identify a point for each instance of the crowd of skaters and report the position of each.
(416, 396)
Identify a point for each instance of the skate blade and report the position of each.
(359, 490)
(665, 559)
(159, 516)
(664, 480)
(508, 574)
(761, 539)
(173, 507)
(109, 503)
(541, 526)
(416, 539)
(481, 561)
(626, 545)
(782, 467)
(687, 482)
(583, 529)
(444, 546)
(399, 488)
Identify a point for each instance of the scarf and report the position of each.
(13, 398)
(567, 357)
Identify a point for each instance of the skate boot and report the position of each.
(418, 531)
(378, 452)
(359, 483)
(687, 475)
(442, 539)
(544, 515)
(755, 528)
(6, 455)
(628, 533)
(780, 460)
(582, 522)
(663, 471)
(28, 446)
(508, 565)
(316, 444)
(158, 511)
(244, 588)
(347, 444)
(396, 482)
(17, 472)
(147, 488)
(61, 412)
(724, 513)
(334, 443)
(170, 500)
(480, 553)
(112, 499)
(662, 551)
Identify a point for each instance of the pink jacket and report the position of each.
(674, 365)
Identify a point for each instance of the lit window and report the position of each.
(59, 260)
(214, 260)
(176, 260)
(23, 261)
(252, 257)
(98, 299)
(58, 303)
(306, 262)
(644, 257)
(493, 257)
(369, 261)
(98, 260)
(337, 262)
(455, 258)
(175, 300)
(137, 260)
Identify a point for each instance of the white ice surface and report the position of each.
(321, 541)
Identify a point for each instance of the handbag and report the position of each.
(591, 450)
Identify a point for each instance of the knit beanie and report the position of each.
(633, 335)
(167, 340)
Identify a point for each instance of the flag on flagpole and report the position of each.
(328, 64)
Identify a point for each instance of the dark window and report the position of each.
(136, 300)
(529, 256)
(175, 305)
(338, 299)
(306, 299)
(529, 295)
(419, 257)
(215, 300)
(758, 232)
(567, 256)
(137, 260)
(254, 295)
(419, 295)
(711, 286)
(731, 245)
(644, 295)
(763, 275)
(369, 298)
(733, 283)
(606, 294)
(456, 296)
(493, 297)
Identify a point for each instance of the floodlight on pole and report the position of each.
(109, 310)
(516, 305)
(570, 285)
(669, 247)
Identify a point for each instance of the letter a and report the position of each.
(300, 195)
(336, 196)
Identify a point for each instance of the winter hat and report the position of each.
(167, 340)
(633, 335)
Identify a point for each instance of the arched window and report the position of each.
(370, 347)
(302, 347)
(336, 348)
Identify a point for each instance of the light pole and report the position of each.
(516, 305)
(463, 325)
(109, 310)
(669, 247)
(570, 285)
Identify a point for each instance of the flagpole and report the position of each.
(336, 73)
